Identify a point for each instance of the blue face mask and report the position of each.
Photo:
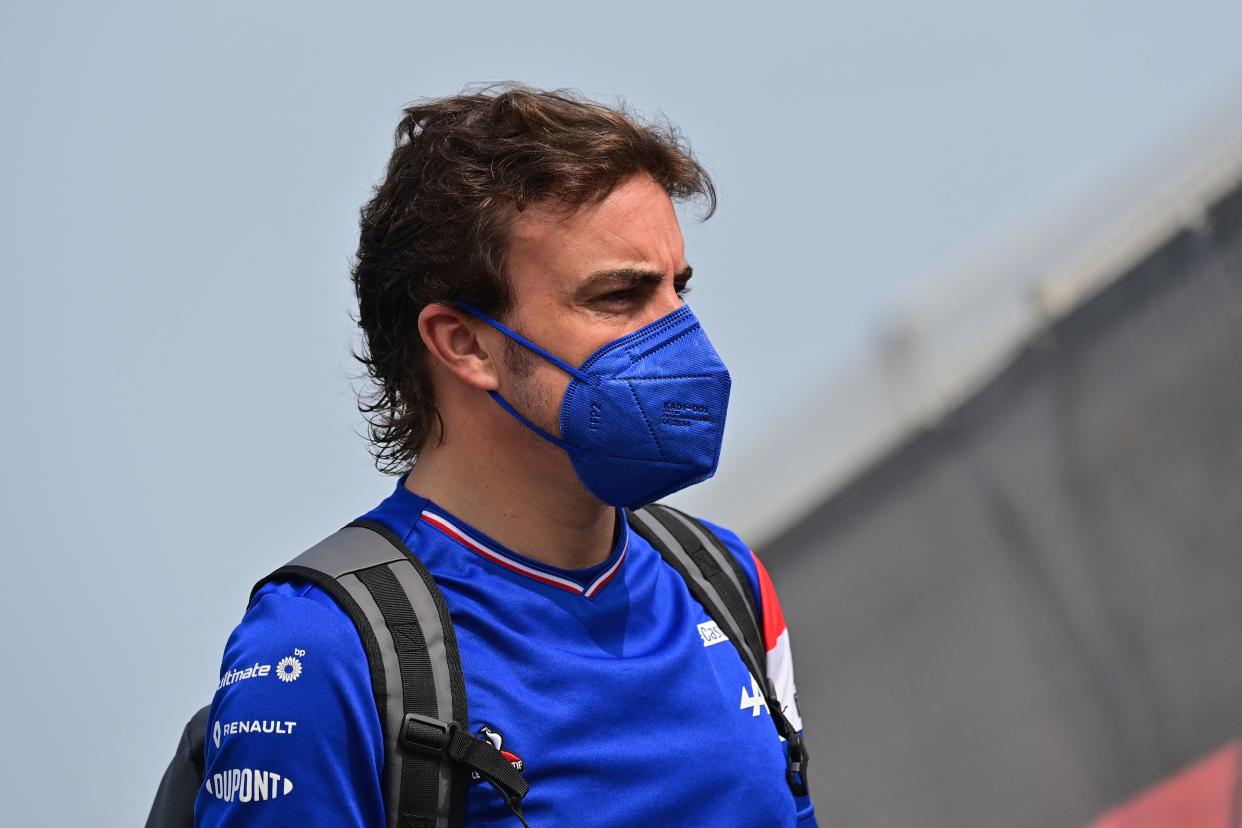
(644, 416)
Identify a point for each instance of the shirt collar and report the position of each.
(587, 582)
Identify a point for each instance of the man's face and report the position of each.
(580, 280)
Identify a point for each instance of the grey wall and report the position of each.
(1032, 610)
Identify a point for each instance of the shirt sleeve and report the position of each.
(293, 737)
(779, 664)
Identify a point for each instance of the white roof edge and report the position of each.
(962, 332)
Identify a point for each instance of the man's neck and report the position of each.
(555, 522)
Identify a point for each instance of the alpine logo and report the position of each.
(248, 785)
(754, 699)
(498, 741)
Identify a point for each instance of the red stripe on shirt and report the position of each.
(499, 559)
(773, 618)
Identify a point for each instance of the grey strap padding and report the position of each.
(732, 570)
(715, 579)
(702, 589)
(346, 550)
(367, 570)
(424, 606)
(391, 718)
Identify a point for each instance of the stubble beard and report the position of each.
(533, 402)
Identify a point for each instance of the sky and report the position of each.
(179, 207)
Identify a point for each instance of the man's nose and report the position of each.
(665, 301)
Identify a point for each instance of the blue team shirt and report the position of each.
(624, 703)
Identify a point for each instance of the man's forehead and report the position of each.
(635, 226)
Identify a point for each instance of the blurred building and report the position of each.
(1205, 795)
(1020, 603)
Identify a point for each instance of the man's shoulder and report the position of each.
(284, 597)
(295, 654)
(293, 588)
(295, 713)
(291, 614)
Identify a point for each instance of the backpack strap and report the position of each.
(416, 676)
(716, 579)
(174, 801)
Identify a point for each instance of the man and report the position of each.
(520, 278)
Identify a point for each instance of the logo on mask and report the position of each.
(684, 414)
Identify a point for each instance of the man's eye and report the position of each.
(618, 296)
(682, 290)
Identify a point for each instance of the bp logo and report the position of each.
(289, 668)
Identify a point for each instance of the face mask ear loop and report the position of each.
(521, 340)
(556, 441)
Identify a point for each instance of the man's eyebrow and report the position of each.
(627, 277)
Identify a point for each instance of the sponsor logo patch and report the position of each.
(288, 670)
(247, 785)
(711, 633)
(220, 730)
(235, 675)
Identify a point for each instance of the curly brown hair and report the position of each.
(437, 227)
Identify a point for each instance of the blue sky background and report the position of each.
(181, 186)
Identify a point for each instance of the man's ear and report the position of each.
(461, 344)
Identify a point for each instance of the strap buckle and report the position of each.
(795, 769)
(425, 734)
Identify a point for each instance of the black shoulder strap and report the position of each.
(717, 581)
(416, 676)
(174, 801)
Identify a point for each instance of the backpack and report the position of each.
(416, 676)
